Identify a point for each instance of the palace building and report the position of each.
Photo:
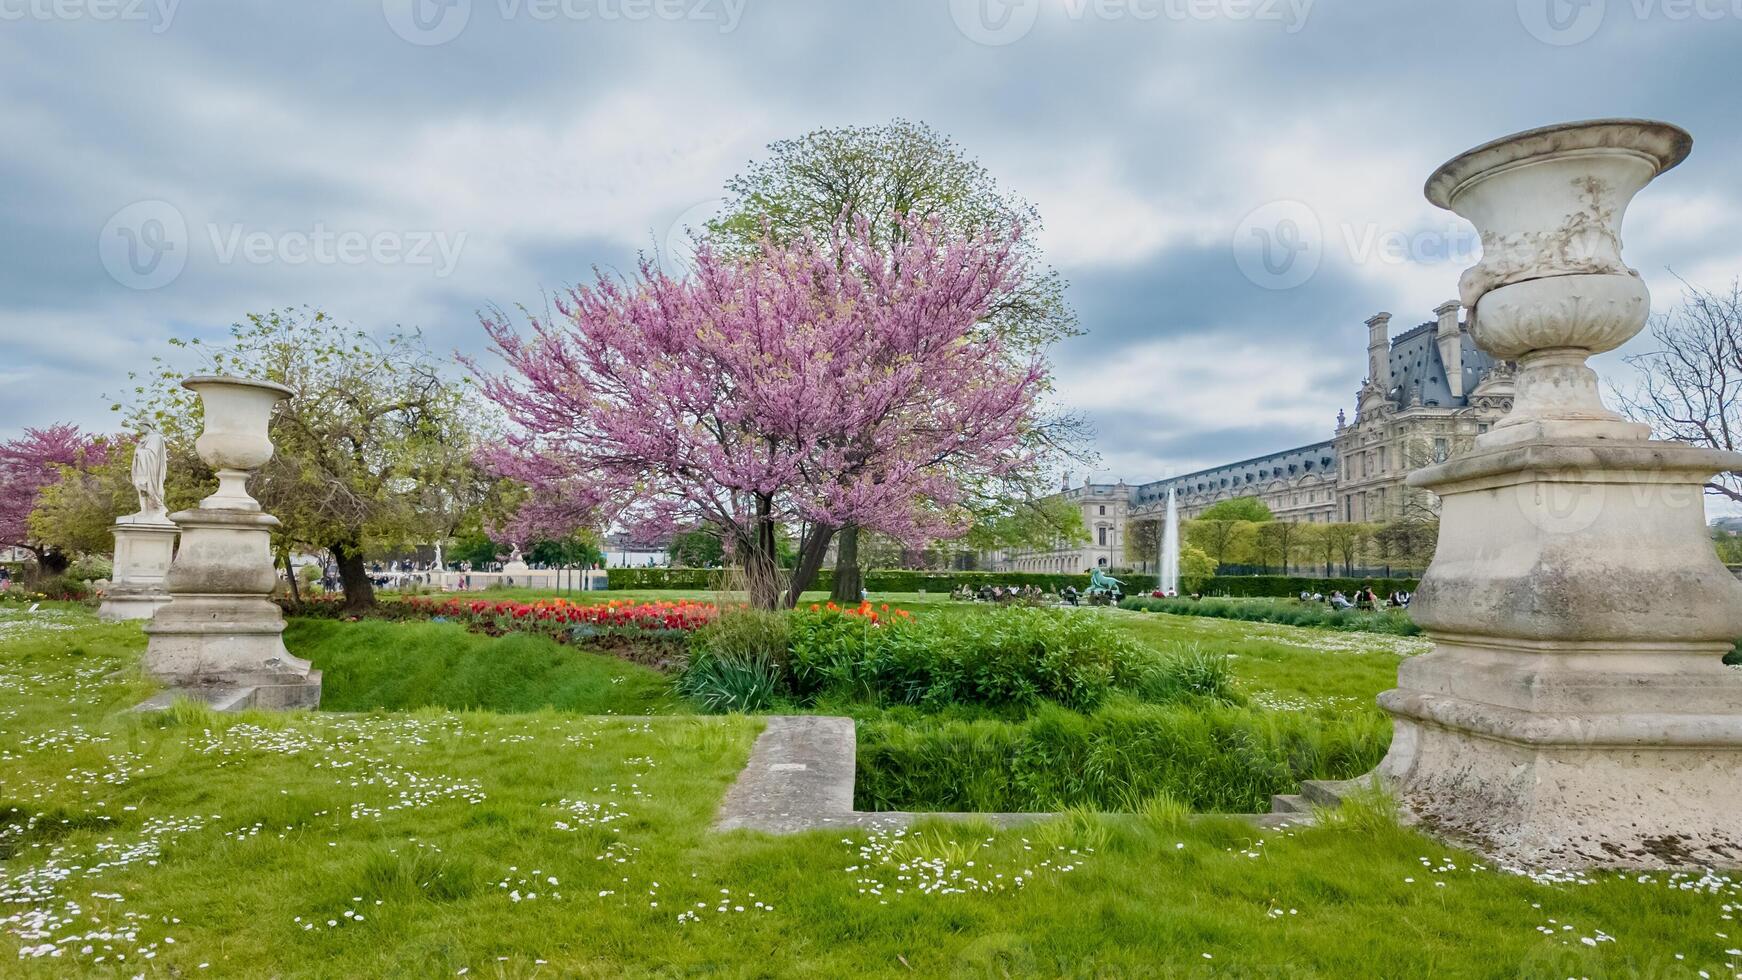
(1428, 393)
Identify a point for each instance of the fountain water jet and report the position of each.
(1168, 582)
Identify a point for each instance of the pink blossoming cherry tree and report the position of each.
(810, 386)
(28, 465)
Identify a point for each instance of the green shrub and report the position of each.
(60, 588)
(1121, 757)
(1007, 657)
(1003, 658)
(90, 568)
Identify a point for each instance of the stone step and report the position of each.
(1289, 803)
(1330, 792)
(226, 699)
(799, 777)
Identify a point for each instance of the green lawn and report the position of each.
(402, 666)
(424, 843)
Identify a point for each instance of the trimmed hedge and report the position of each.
(1291, 586)
(665, 578)
(1296, 613)
(905, 580)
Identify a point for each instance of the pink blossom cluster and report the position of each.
(827, 382)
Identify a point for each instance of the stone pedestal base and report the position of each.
(206, 644)
(143, 552)
(220, 634)
(1575, 711)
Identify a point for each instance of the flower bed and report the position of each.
(559, 619)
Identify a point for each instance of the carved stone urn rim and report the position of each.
(194, 383)
(1665, 144)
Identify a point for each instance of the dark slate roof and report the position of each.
(1290, 464)
(1416, 366)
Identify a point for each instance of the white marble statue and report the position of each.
(150, 467)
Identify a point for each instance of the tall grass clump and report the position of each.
(1183, 674)
(738, 662)
(1119, 758)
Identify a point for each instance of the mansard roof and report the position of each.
(1256, 473)
(1417, 368)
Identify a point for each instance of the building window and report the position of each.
(1103, 537)
(1441, 451)
(1103, 510)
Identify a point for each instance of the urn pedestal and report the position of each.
(1575, 710)
(220, 636)
(143, 552)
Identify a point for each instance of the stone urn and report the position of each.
(236, 440)
(1575, 710)
(1551, 288)
(220, 636)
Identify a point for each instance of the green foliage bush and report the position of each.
(90, 568)
(59, 588)
(1003, 658)
(1392, 621)
(1210, 757)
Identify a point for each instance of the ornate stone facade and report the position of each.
(1429, 392)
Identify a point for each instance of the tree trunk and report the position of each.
(354, 578)
(761, 566)
(290, 576)
(51, 562)
(810, 561)
(849, 582)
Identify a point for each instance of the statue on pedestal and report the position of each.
(150, 468)
(144, 542)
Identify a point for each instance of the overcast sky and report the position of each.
(167, 167)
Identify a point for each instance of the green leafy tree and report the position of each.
(1226, 541)
(1345, 543)
(1026, 523)
(1277, 542)
(879, 175)
(1195, 568)
(1238, 509)
(75, 514)
(374, 448)
(1143, 542)
(699, 548)
(1728, 545)
(580, 549)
